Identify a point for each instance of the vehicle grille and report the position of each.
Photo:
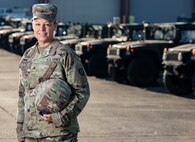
(172, 56)
(116, 53)
(113, 52)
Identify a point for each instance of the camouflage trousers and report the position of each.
(65, 138)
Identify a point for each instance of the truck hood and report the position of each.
(139, 43)
(104, 40)
(21, 33)
(184, 48)
(74, 41)
(10, 30)
(28, 36)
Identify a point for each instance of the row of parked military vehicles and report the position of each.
(136, 53)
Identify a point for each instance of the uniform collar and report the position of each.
(45, 51)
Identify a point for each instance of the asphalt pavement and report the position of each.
(115, 112)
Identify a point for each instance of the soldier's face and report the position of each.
(43, 30)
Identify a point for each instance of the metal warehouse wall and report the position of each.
(91, 11)
(17, 3)
(103, 11)
(161, 10)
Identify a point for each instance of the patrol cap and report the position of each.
(46, 11)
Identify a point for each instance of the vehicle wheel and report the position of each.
(21, 50)
(115, 74)
(176, 85)
(12, 49)
(143, 71)
(84, 63)
(98, 66)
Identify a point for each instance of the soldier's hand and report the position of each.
(47, 117)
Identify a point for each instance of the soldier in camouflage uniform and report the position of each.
(53, 86)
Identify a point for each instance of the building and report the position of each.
(103, 11)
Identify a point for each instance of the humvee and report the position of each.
(14, 38)
(139, 63)
(93, 52)
(179, 63)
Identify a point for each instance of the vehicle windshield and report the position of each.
(164, 34)
(29, 27)
(74, 29)
(15, 23)
(117, 32)
(137, 35)
(61, 31)
(187, 36)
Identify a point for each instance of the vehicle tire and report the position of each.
(176, 85)
(84, 63)
(143, 71)
(98, 66)
(115, 74)
(21, 50)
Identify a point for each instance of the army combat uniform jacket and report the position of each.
(32, 67)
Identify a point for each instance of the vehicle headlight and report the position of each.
(108, 51)
(10, 39)
(118, 52)
(164, 56)
(179, 57)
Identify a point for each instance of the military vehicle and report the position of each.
(93, 52)
(139, 63)
(89, 32)
(72, 42)
(3, 20)
(4, 37)
(179, 64)
(14, 38)
(4, 24)
(4, 33)
(26, 42)
(5, 27)
(65, 31)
